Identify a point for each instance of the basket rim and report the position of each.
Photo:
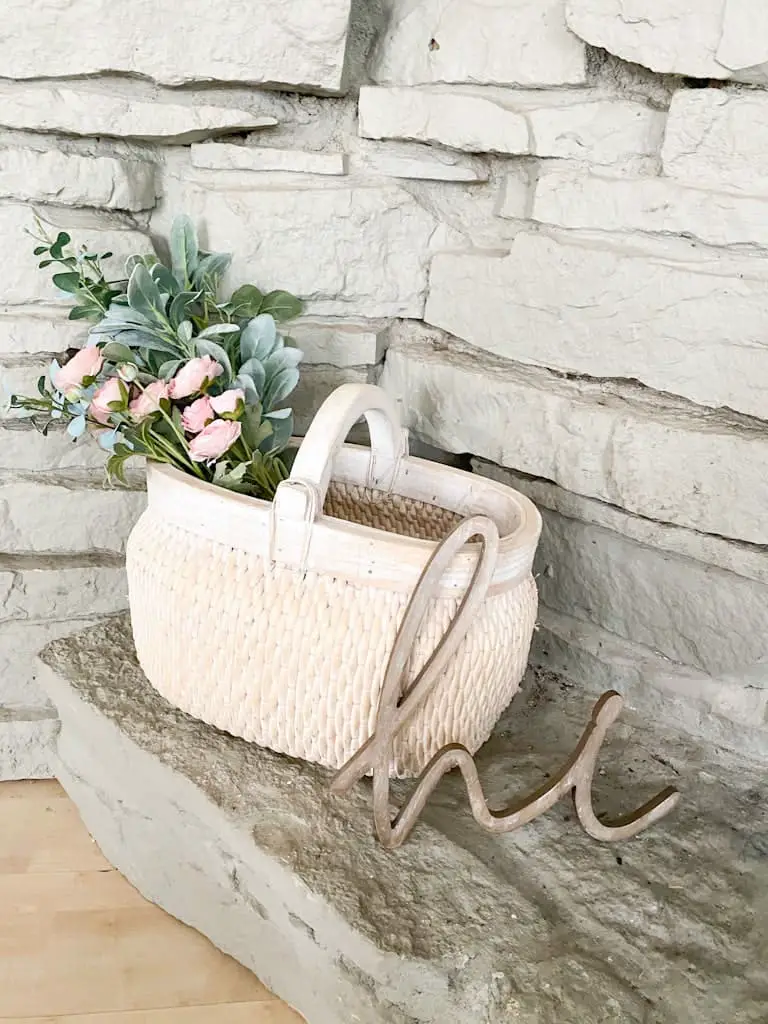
(340, 542)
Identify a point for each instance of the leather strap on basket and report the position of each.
(400, 700)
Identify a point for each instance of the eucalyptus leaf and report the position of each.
(84, 312)
(184, 250)
(246, 301)
(280, 386)
(255, 372)
(252, 395)
(70, 282)
(115, 352)
(282, 360)
(281, 305)
(282, 429)
(258, 338)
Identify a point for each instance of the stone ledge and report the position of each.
(538, 926)
(26, 742)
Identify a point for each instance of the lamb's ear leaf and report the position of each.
(184, 250)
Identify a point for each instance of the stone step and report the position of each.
(539, 925)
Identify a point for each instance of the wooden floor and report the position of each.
(79, 945)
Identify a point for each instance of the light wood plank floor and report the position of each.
(79, 945)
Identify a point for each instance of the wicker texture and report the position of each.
(290, 653)
(295, 661)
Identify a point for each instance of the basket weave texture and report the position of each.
(294, 661)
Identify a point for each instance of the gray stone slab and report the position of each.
(26, 742)
(542, 926)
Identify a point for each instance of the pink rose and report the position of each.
(197, 416)
(217, 438)
(229, 403)
(148, 401)
(193, 377)
(112, 391)
(85, 363)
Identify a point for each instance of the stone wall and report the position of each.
(554, 258)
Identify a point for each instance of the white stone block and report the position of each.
(264, 42)
(642, 452)
(478, 41)
(339, 342)
(697, 329)
(645, 596)
(74, 180)
(583, 124)
(745, 560)
(23, 448)
(31, 330)
(77, 110)
(359, 251)
(413, 160)
(50, 517)
(718, 140)
(20, 279)
(225, 156)
(726, 712)
(573, 197)
(700, 38)
(20, 644)
(62, 593)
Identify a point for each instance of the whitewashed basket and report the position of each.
(275, 621)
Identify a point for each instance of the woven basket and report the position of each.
(274, 621)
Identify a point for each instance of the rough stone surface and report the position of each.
(26, 743)
(224, 156)
(572, 197)
(608, 310)
(727, 711)
(26, 331)
(705, 39)
(78, 110)
(57, 593)
(20, 644)
(481, 41)
(316, 384)
(339, 342)
(288, 42)
(24, 448)
(75, 180)
(577, 124)
(382, 243)
(640, 451)
(718, 140)
(644, 595)
(22, 282)
(412, 160)
(539, 926)
(749, 561)
(95, 519)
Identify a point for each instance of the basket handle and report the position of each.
(301, 497)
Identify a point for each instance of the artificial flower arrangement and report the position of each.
(170, 371)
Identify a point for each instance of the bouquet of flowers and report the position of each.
(170, 371)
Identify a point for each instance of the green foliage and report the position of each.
(147, 326)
